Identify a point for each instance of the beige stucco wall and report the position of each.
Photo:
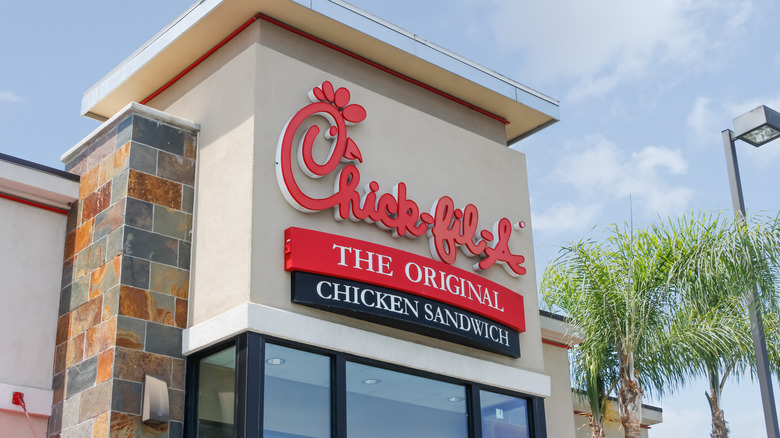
(221, 98)
(30, 266)
(244, 95)
(559, 405)
(31, 269)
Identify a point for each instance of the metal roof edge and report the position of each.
(347, 15)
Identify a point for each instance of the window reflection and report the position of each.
(383, 404)
(503, 416)
(216, 395)
(297, 394)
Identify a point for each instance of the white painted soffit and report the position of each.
(36, 183)
(208, 22)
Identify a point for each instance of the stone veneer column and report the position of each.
(125, 280)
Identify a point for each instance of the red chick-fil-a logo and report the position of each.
(447, 227)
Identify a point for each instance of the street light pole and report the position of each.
(756, 322)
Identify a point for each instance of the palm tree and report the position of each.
(617, 293)
(666, 303)
(718, 262)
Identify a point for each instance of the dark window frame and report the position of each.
(250, 369)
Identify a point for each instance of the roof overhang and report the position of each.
(208, 22)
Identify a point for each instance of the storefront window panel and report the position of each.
(504, 416)
(216, 394)
(384, 404)
(258, 388)
(297, 394)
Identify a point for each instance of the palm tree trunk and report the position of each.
(629, 399)
(596, 428)
(719, 427)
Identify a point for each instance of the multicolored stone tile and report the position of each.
(55, 421)
(111, 303)
(115, 243)
(190, 147)
(96, 255)
(70, 411)
(86, 316)
(187, 198)
(63, 329)
(135, 272)
(185, 250)
(114, 164)
(176, 407)
(133, 365)
(180, 315)
(158, 135)
(93, 153)
(127, 397)
(150, 246)
(58, 387)
(125, 280)
(96, 202)
(105, 366)
(163, 339)
(169, 280)
(89, 182)
(172, 223)
(109, 220)
(119, 187)
(81, 376)
(83, 237)
(130, 333)
(101, 337)
(153, 189)
(178, 367)
(95, 401)
(60, 357)
(130, 426)
(105, 277)
(143, 158)
(176, 168)
(139, 214)
(74, 351)
(100, 425)
(79, 293)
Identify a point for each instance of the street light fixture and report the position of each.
(757, 127)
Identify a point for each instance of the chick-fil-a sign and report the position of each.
(447, 227)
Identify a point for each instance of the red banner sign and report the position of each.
(344, 257)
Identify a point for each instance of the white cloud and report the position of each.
(7, 96)
(565, 217)
(606, 43)
(598, 169)
(700, 120)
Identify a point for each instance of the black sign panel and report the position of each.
(404, 311)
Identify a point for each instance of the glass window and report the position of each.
(216, 394)
(503, 416)
(293, 393)
(383, 404)
(297, 394)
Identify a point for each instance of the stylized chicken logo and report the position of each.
(351, 114)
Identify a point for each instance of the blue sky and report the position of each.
(645, 90)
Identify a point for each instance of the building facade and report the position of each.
(297, 220)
